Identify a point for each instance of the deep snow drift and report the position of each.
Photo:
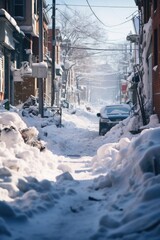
(81, 186)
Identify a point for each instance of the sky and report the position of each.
(111, 15)
(81, 186)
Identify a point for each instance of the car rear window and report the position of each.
(116, 110)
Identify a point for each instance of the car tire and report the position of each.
(101, 133)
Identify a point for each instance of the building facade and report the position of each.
(11, 38)
(149, 11)
(25, 16)
(156, 55)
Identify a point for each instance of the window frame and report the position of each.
(155, 5)
(155, 47)
(20, 5)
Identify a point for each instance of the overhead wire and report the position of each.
(95, 6)
(95, 14)
(88, 48)
(91, 6)
(101, 49)
(101, 22)
(79, 28)
(108, 26)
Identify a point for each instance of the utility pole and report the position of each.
(40, 80)
(53, 52)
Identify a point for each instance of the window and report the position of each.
(19, 7)
(1, 72)
(155, 47)
(35, 6)
(154, 5)
(147, 11)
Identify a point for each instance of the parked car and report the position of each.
(111, 115)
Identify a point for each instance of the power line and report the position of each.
(79, 29)
(94, 13)
(108, 26)
(67, 5)
(95, 6)
(101, 49)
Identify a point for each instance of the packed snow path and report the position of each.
(77, 137)
(74, 144)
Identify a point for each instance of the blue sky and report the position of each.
(107, 16)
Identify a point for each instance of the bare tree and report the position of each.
(78, 31)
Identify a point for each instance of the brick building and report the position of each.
(11, 38)
(149, 11)
(156, 55)
(25, 15)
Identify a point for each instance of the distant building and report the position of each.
(58, 67)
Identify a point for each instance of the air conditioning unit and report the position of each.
(40, 70)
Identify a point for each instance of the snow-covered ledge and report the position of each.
(8, 26)
(5, 14)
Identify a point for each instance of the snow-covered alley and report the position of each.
(74, 144)
(79, 120)
(82, 186)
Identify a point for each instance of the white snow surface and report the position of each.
(82, 186)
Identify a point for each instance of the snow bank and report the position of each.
(26, 174)
(131, 178)
(113, 195)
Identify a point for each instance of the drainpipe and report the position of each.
(7, 77)
(140, 100)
